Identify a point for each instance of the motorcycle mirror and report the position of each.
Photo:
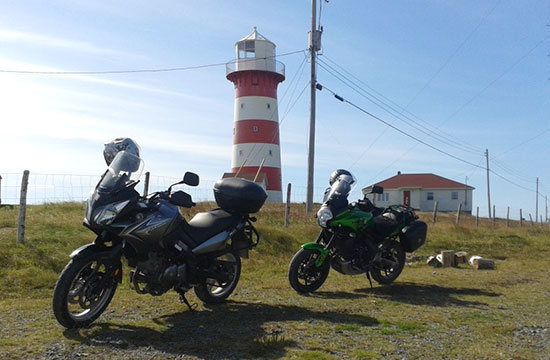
(377, 189)
(190, 179)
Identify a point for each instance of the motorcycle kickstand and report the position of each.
(370, 281)
(184, 300)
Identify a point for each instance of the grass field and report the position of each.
(451, 313)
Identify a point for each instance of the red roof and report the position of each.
(424, 181)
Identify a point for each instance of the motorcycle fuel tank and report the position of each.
(353, 219)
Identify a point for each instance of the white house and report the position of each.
(421, 191)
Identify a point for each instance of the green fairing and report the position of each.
(314, 246)
(353, 219)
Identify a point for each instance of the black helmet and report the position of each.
(336, 174)
(119, 144)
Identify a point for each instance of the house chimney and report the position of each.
(399, 173)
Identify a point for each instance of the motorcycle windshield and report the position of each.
(124, 169)
(339, 191)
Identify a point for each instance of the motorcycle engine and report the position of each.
(157, 275)
(353, 255)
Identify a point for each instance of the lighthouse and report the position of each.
(256, 75)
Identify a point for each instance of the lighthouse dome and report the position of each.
(255, 52)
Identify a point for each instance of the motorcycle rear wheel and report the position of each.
(83, 291)
(211, 291)
(304, 276)
(384, 274)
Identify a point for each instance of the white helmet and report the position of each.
(120, 144)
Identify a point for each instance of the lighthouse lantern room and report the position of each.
(256, 73)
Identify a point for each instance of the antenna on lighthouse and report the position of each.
(314, 46)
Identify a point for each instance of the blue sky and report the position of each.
(475, 72)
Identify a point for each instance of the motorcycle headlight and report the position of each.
(323, 215)
(110, 212)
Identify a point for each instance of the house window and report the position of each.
(387, 196)
(454, 195)
(255, 128)
(430, 196)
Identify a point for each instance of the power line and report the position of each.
(106, 72)
(523, 142)
(340, 98)
(466, 39)
(433, 128)
(396, 113)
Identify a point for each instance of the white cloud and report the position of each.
(55, 42)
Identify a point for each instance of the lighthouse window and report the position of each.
(246, 49)
(240, 153)
(270, 152)
(268, 105)
(242, 106)
(255, 128)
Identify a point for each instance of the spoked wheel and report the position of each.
(215, 291)
(83, 291)
(393, 261)
(304, 275)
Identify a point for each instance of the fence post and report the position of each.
(434, 219)
(0, 189)
(146, 184)
(531, 218)
(494, 216)
(22, 208)
(477, 216)
(458, 214)
(520, 218)
(287, 208)
(508, 217)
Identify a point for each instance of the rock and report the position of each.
(461, 257)
(433, 261)
(484, 264)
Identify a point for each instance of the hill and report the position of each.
(426, 313)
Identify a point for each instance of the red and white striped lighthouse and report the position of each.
(256, 74)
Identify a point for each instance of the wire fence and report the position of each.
(55, 188)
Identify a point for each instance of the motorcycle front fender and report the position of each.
(321, 249)
(114, 254)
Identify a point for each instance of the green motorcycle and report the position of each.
(356, 238)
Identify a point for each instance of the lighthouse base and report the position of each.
(274, 196)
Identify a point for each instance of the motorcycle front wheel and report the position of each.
(393, 261)
(215, 291)
(304, 276)
(83, 291)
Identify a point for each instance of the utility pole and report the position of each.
(488, 188)
(537, 203)
(314, 46)
(546, 215)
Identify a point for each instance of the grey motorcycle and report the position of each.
(162, 249)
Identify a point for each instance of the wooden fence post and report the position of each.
(434, 218)
(520, 218)
(287, 208)
(22, 208)
(146, 184)
(477, 216)
(508, 217)
(458, 214)
(531, 218)
(494, 216)
(0, 189)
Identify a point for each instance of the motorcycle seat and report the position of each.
(204, 225)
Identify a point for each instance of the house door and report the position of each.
(407, 198)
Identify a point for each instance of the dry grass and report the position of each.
(427, 313)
